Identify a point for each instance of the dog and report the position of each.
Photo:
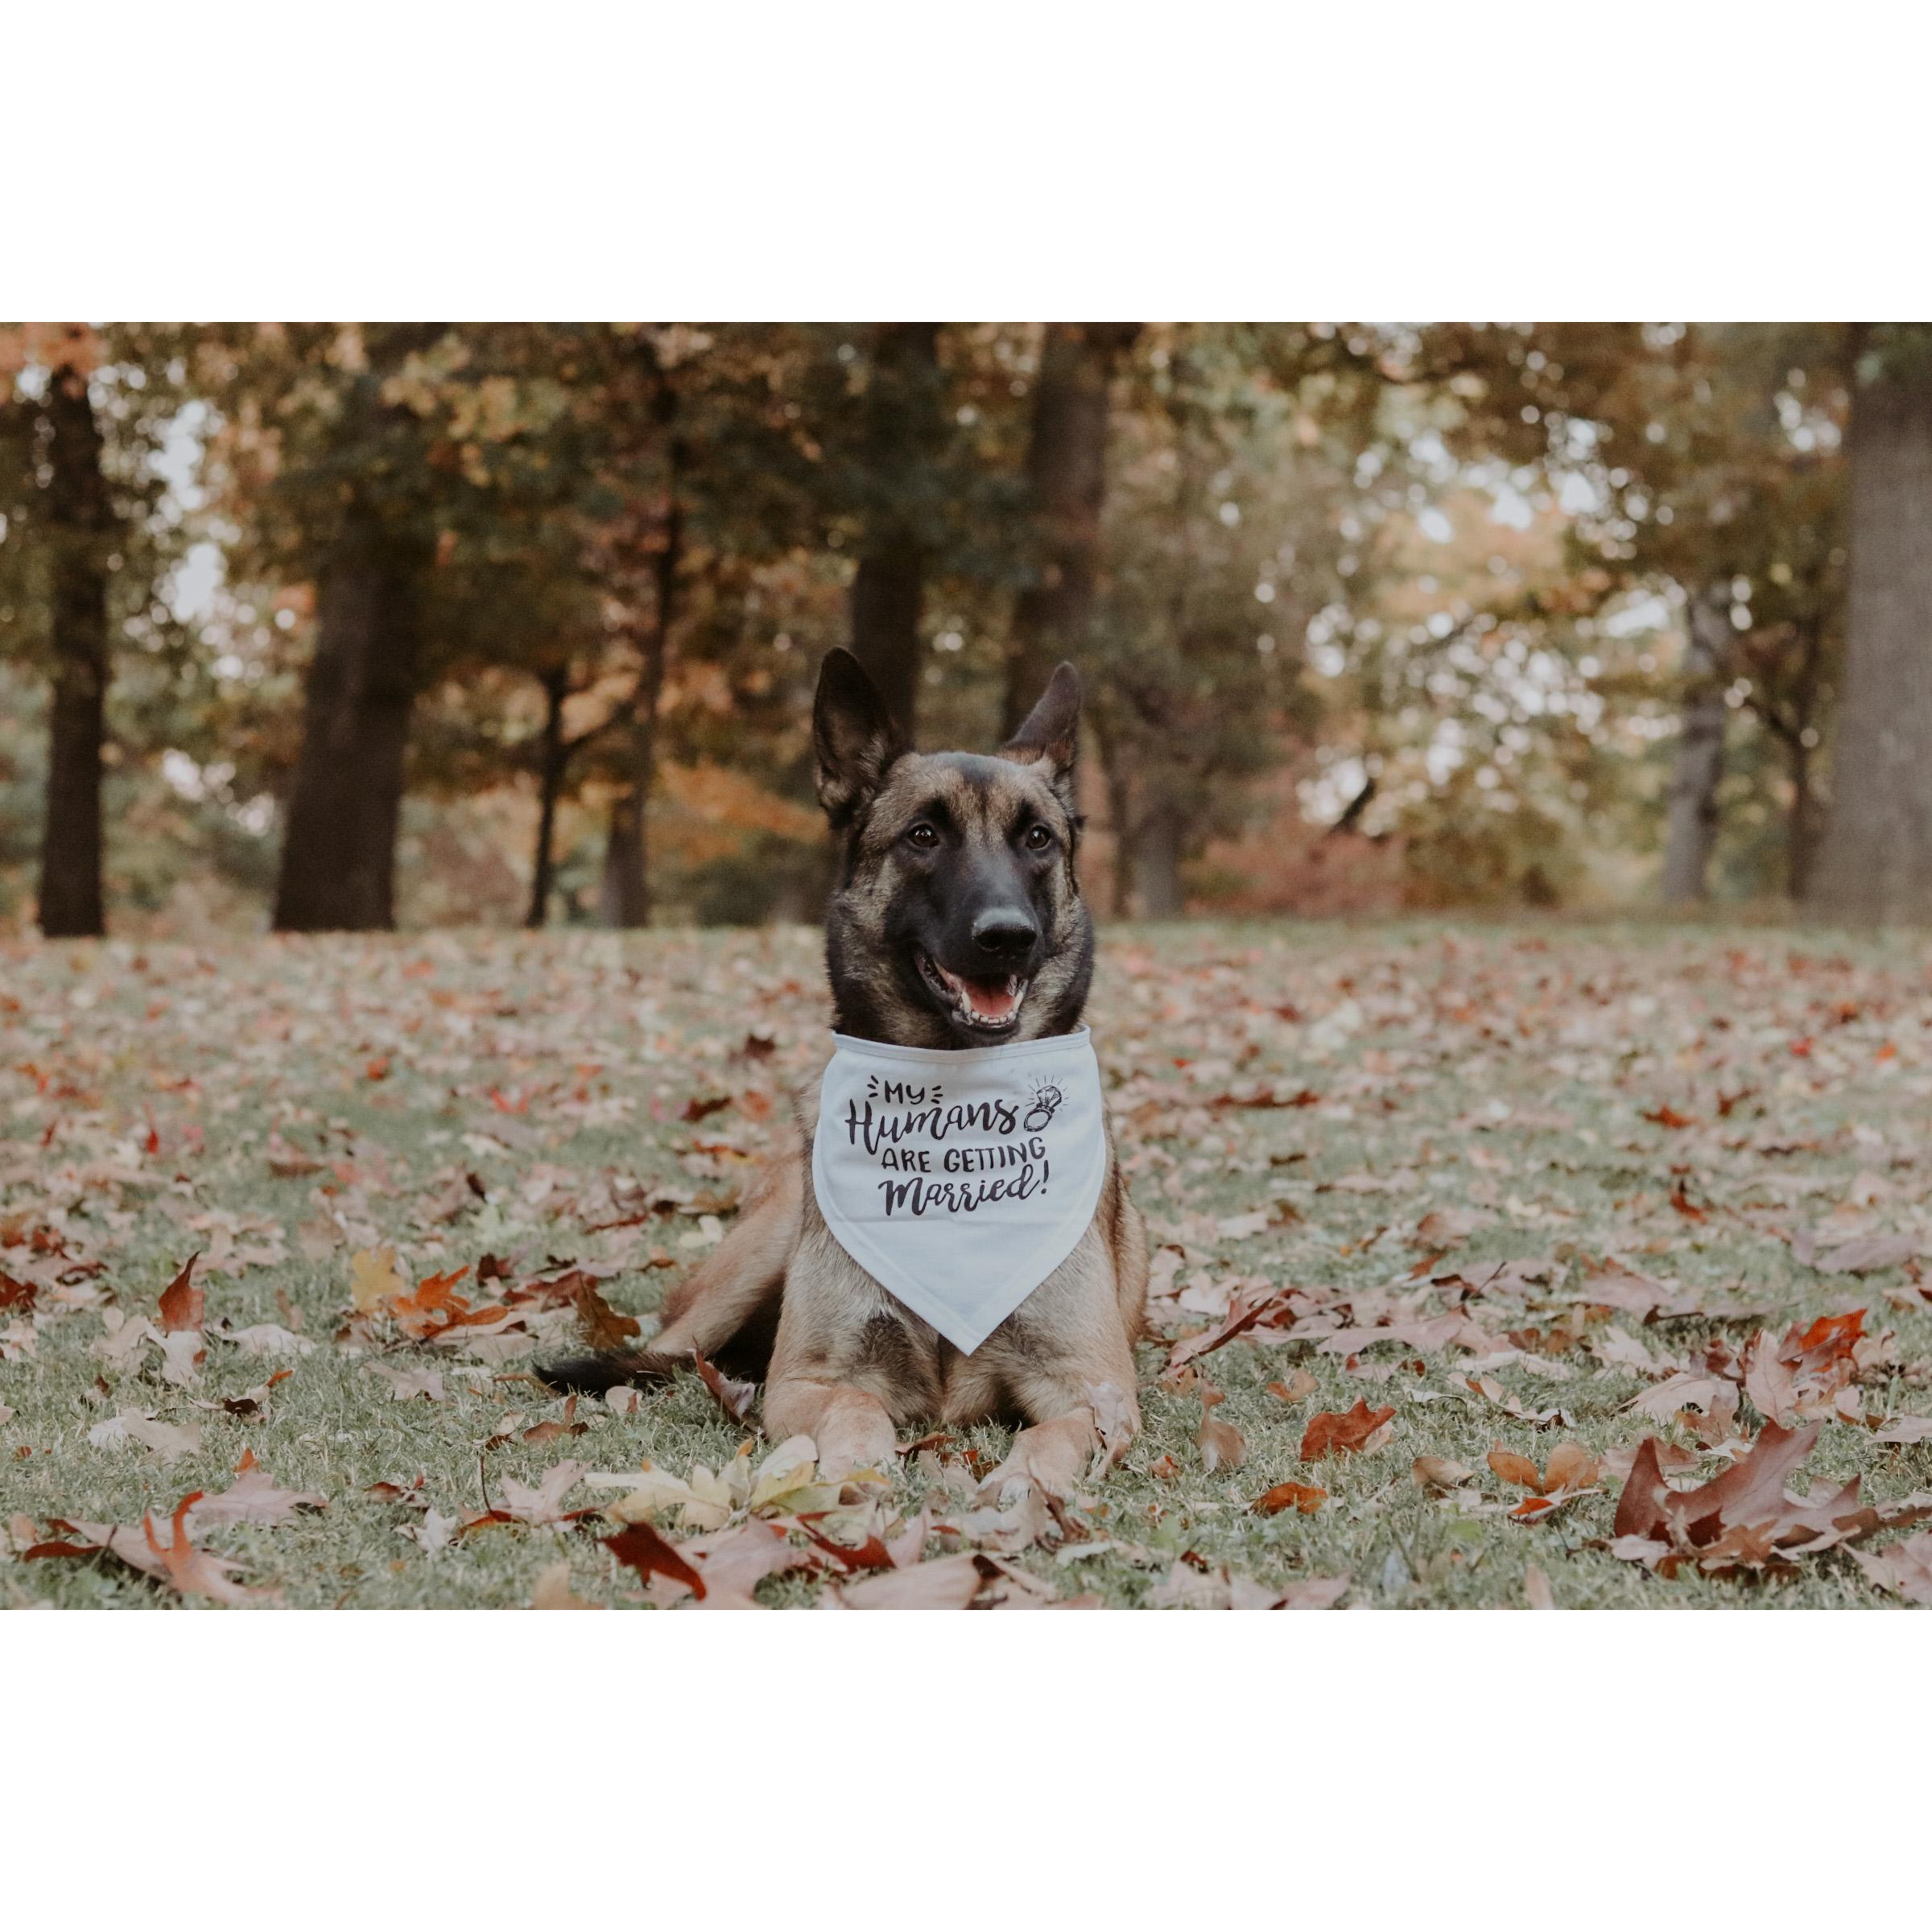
(957, 921)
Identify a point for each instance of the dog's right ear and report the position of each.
(853, 738)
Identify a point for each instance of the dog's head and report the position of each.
(958, 919)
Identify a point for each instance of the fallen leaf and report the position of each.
(373, 1280)
(1359, 1429)
(254, 1497)
(182, 1302)
(405, 1384)
(640, 1546)
(167, 1440)
(1439, 1472)
(553, 1591)
(737, 1399)
(1905, 1568)
(1301, 1496)
(1222, 1445)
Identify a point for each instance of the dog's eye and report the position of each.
(1038, 838)
(922, 837)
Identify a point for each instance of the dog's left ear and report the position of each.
(854, 740)
(1051, 734)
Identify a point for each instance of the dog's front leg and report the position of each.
(1081, 1424)
(849, 1424)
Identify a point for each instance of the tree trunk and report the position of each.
(1692, 797)
(339, 853)
(1801, 834)
(625, 898)
(889, 586)
(1156, 861)
(80, 516)
(1067, 470)
(1875, 861)
(553, 757)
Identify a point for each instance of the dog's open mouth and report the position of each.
(986, 1005)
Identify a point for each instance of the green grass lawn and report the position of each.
(1373, 1116)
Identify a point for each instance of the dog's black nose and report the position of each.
(1005, 932)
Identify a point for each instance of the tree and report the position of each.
(1876, 858)
(1067, 470)
(1221, 526)
(1691, 800)
(80, 526)
(338, 850)
(901, 435)
(85, 553)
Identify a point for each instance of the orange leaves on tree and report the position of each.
(1361, 1428)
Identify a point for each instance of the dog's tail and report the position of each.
(608, 1369)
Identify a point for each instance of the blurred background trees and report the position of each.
(346, 625)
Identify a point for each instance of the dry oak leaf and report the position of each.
(650, 1554)
(972, 1580)
(1869, 1254)
(167, 1440)
(553, 1590)
(1439, 1472)
(1359, 1429)
(735, 1398)
(1303, 1497)
(1744, 1518)
(183, 1304)
(1569, 1472)
(1906, 1429)
(373, 1280)
(1247, 1309)
(1222, 1445)
(1184, 1587)
(1905, 1568)
(254, 1498)
(190, 1571)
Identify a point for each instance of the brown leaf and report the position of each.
(254, 1498)
(1247, 1309)
(1869, 1254)
(603, 1327)
(735, 1398)
(1906, 1429)
(1514, 1469)
(1301, 1496)
(1299, 1385)
(645, 1551)
(1439, 1472)
(1905, 1568)
(567, 1424)
(195, 1572)
(1222, 1445)
(182, 1302)
(1361, 1428)
(1744, 1518)
(553, 1590)
(1537, 1592)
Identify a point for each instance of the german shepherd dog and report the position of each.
(957, 921)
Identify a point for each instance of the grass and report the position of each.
(158, 1100)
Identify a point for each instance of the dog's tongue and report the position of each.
(992, 999)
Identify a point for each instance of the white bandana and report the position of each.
(960, 1181)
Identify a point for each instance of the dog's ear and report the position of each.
(1051, 734)
(853, 738)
